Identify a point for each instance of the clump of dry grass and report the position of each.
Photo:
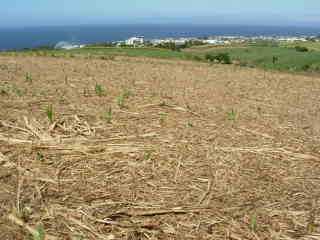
(194, 175)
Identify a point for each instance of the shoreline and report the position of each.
(32, 37)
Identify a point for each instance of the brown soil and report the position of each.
(192, 151)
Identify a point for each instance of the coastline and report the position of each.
(32, 37)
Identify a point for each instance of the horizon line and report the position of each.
(301, 25)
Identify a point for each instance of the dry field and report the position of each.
(134, 148)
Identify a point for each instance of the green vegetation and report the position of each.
(301, 49)
(122, 98)
(294, 57)
(171, 46)
(107, 53)
(108, 115)
(274, 58)
(147, 155)
(39, 233)
(6, 89)
(189, 124)
(178, 47)
(222, 57)
(50, 114)
(253, 223)
(39, 156)
(16, 90)
(99, 89)
(126, 93)
(28, 77)
(311, 45)
(232, 115)
(120, 101)
(162, 117)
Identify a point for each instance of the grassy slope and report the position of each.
(253, 56)
(106, 52)
(133, 52)
(288, 59)
(315, 46)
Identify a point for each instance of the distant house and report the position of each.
(214, 41)
(139, 40)
(180, 42)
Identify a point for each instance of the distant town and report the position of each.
(141, 41)
(215, 40)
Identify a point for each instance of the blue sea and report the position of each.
(19, 38)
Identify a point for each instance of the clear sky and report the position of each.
(71, 12)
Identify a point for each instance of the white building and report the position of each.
(292, 39)
(139, 40)
(216, 42)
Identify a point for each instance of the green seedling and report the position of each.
(147, 155)
(40, 156)
(162, 117)
(39, 233)
(189, 124)
(17, 91)
(253, 223)
(122, 97)
(108, 115)
(99, 89)
(50, 114)
(126, 93)
(120, 101)
(232, 115)
(28, 78)
(79, 237)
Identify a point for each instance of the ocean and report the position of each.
(19, 38)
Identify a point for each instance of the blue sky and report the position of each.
(70, 12)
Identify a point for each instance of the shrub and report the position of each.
(220, 58)
(306, 67)
(224, 58)
(315, 67)
(301, 49)
(107, 57)
(275, 59)
(209, 57)
(171, 45)
(197, 58)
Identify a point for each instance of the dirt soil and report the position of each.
(136, 148)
